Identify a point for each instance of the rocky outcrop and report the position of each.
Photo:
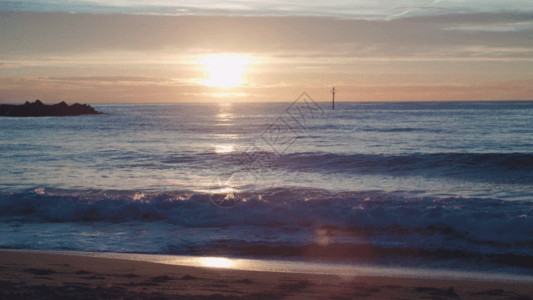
(39, 109)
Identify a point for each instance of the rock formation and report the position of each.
(38, 109)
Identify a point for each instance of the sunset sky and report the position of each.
(115, 51)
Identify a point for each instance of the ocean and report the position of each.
(445, 185)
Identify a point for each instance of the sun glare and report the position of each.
(216, 262)
(221, 149)
(224, 70)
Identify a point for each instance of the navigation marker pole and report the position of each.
(333, 99)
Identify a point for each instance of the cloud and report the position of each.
(136, 58)
(94, 89)
(114, 79)
(356, 9)
(487, 91)
(9, 65)
(501, 27)
(13, 90)
(45, 34)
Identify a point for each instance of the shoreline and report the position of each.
(299, 267)
(31, 274)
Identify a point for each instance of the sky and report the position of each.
(118, 51)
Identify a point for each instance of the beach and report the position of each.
(266, 149)
(34, 275)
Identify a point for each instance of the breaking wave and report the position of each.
(385, 220)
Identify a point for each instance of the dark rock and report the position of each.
(38, 109)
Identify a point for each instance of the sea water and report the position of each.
(436, 184)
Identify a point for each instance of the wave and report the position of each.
(512, 168)
(386, 220)
(402, 129)
(500, 167)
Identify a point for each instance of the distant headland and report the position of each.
(39, 109)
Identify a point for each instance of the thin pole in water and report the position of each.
(333, 99)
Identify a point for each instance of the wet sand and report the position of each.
(34, 275)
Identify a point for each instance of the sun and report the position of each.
(224, 70)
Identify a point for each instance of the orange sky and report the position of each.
(126, 57)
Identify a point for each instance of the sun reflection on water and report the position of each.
(221, 149)
(216, 262)
(224, 116)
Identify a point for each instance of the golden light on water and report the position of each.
(224, 70)
(222, 190)
(216, 262)
(222, 149)
(224, 117)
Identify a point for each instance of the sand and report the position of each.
(34, 275)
